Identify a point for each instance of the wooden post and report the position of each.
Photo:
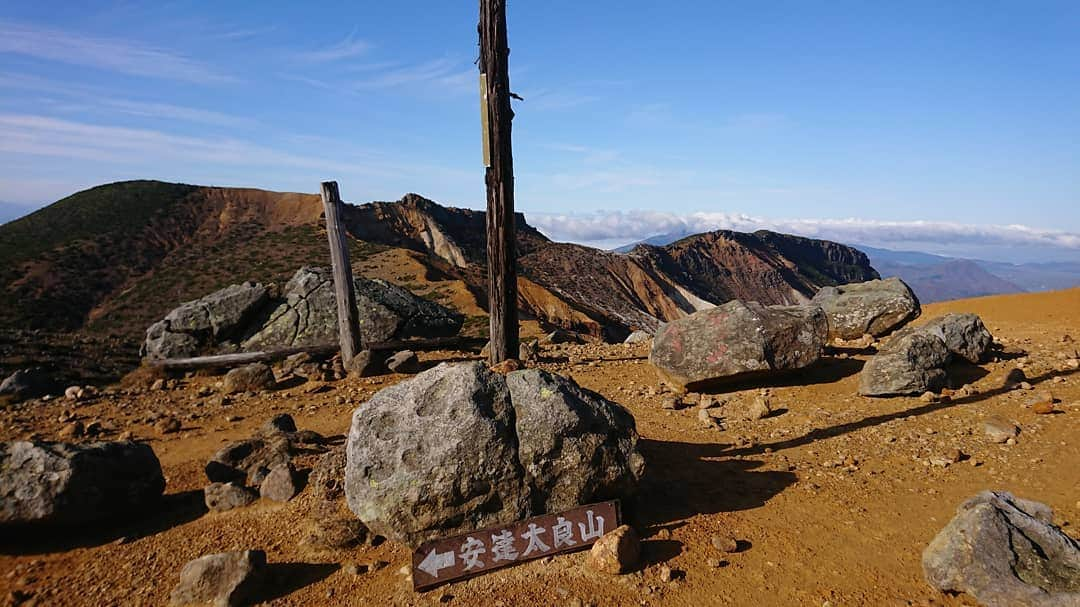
(499, 176)
(348, 318)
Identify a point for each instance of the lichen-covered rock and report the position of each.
(875, 307)
(459, 447)
(1005, 552)
(308, 314)
(914, 359)
(228, 579)
(68, 484)
(909, 364)
(738, 340)
(205, 322)
(964, 335)
(255, 377)
(576, 446)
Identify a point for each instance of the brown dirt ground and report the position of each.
(833, 498)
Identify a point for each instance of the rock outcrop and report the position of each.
(738, 340)
(874, 307)
(1005, 552)
(248, 317)
(210, 321)
(308, 314)
(60, 483)
(459, 447)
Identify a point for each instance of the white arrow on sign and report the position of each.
(435, 561)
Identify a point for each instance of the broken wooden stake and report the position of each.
(348, 318)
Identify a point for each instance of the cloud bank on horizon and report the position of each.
(608, 229)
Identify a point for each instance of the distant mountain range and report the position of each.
(940, 278)
(117, 257)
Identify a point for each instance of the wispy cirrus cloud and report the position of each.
(445, 75)
(630, 226)
(23, 135)
(347, 48)
(83, 98)
(121, 56)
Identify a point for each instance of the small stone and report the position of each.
(167, 425)
(74, 393)
(714, 563)
(226, 496)
(706, 419)
(228, 579)
(666, 574)
(1043, 407)
(282, 422)
(280, 484)
(616, 552)
(928, 397)
(999, 430)
(404, 361)
(1025, 386)
(507, 366)
(725, 543)
(73, 430)
(759, 409)
(663, 534)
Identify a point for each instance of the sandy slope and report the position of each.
(834, 497)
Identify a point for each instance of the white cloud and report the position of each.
(114, 55)
(630, 226)
(346, 49)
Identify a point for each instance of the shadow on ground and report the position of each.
(874, 420)
(827, 370)
(284, 579)
(172, 511)
(685, 479)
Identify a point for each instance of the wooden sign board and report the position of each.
(443, 560)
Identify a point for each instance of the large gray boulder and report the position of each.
(308, 314)
(576, 446)
(436, 455)
(60, 483)
(908, 364)
(206, 322)
(459, 447)
(1005, 552)
(964, 335)
(875, 307)
(915, 359)
(738, 340)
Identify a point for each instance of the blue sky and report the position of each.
(939, 126)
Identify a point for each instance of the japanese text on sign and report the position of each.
(446, 559)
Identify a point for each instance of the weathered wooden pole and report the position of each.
(348, 319)
(496, 117)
